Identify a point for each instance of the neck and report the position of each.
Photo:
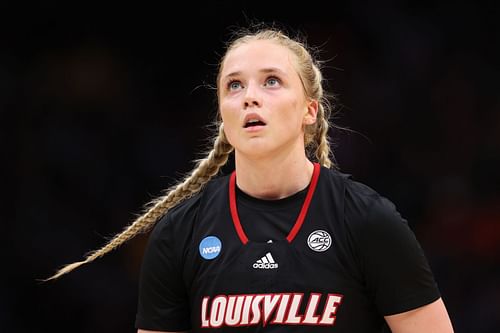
(273, 177)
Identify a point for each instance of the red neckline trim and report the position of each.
(300, 219)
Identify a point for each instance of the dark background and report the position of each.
(103, 106)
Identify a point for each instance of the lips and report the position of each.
(252, 120)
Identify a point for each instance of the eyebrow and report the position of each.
(263, 70)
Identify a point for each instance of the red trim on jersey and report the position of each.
(305, 206)
(234, 209)
(300, 220)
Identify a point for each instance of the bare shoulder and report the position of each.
(430, 318)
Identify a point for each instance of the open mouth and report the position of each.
(254, 122)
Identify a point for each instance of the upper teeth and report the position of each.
(253, 120)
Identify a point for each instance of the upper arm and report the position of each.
(430, 318)
(162, 301)
(397, 274)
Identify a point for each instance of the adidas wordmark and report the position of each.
(266, 262)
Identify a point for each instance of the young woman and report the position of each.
(285, 242)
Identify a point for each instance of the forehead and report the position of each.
(258, 54)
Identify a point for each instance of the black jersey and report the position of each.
(346, 259)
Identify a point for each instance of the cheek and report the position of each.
(292, 115)
(230, 119)
(228, 114)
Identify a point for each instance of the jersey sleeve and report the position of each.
(163, 301)
(397, 273)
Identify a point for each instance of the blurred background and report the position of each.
(103, 106)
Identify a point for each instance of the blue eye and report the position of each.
(234, 85)
(272, 82)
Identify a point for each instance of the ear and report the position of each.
(311, 112)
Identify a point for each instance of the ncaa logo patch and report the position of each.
(210, 247)
(319, 241)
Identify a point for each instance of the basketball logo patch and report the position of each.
(319, 241)
(210, 247)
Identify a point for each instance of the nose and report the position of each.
(252, 97)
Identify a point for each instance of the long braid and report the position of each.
(315, 139)
(192, 184)
(322, 144)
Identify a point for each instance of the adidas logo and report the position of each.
(266, 262)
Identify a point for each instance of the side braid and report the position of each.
(322, 144)
(205, 169)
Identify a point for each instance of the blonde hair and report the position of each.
(316, 142)
(316, 138)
